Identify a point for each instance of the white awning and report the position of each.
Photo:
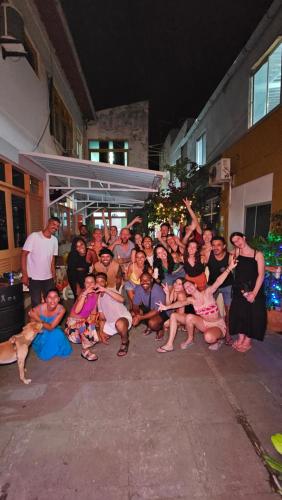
(93, 184)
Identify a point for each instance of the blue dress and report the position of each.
(51, 343)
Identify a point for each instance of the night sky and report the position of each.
(172, 52)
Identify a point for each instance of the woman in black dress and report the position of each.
(78, 265)
(247, 316)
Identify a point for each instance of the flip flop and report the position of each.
(148, 331)
(216, 346)
(89, 356)
(186, 346)
(243, 348)
(162, 350)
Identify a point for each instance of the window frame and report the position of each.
(200, 138)
(254, 70)
(256, 205)
(109, 150)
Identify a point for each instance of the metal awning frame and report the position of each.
(93, 185)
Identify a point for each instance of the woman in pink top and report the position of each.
(207, 318)
(81, 324)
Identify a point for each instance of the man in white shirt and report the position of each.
(38, 260)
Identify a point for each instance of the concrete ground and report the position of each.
(146, 426)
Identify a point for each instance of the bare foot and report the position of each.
(187, 344)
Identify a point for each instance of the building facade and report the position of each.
(242, 121)
(40, 110)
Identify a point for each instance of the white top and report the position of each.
(112, 309)
(41, 251)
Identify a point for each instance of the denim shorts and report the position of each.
(226, 292)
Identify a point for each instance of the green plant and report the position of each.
(275, 465)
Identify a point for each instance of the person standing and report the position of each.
(219, 260)
(38, 261)
(247, 316)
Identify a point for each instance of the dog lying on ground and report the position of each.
(16, 348)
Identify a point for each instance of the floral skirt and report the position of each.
(82, 331)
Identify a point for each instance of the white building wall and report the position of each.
(251, 193)
(24, 98)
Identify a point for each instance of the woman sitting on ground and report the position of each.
(135, 269)
(51, 341)
(177, 293)
(194, 265)
(207, 318)
(81, 324)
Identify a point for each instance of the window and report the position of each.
(61, 126)
(201, 150)
(257, 220)
(266, 85)
(19, 220)
(113, 152)
(2, 171)
(3, 223)
(17, 178)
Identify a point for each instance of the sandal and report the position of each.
(88, 355)
(123, 350)
(148, 331)
(159, 335)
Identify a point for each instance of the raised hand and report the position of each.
(187, 203)
(137, 220)
(165, 288)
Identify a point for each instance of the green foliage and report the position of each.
(277, 442)
(167, 205)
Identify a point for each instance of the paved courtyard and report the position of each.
(147, 426)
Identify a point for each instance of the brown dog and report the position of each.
(16, 348)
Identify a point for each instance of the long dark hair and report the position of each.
(158, 263)
(74, 257)
(197, 254)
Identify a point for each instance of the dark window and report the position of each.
(31, 54)
(34, 185)
(18, 178)
(3, 223)
(61, 126)
(257, 220)
(2, 171)
(19, 220)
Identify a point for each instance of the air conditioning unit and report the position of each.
(220, 172)
(11, 32)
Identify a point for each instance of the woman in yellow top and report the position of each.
(135, 269)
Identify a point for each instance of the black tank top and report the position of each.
(246, 273)
(216, 268)
(195, 270)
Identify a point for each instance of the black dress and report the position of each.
(244, 317)
(77, 270)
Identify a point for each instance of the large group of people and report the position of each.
(123, 279)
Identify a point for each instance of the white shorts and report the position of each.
(110, 328)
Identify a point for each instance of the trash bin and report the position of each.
(11, 310)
